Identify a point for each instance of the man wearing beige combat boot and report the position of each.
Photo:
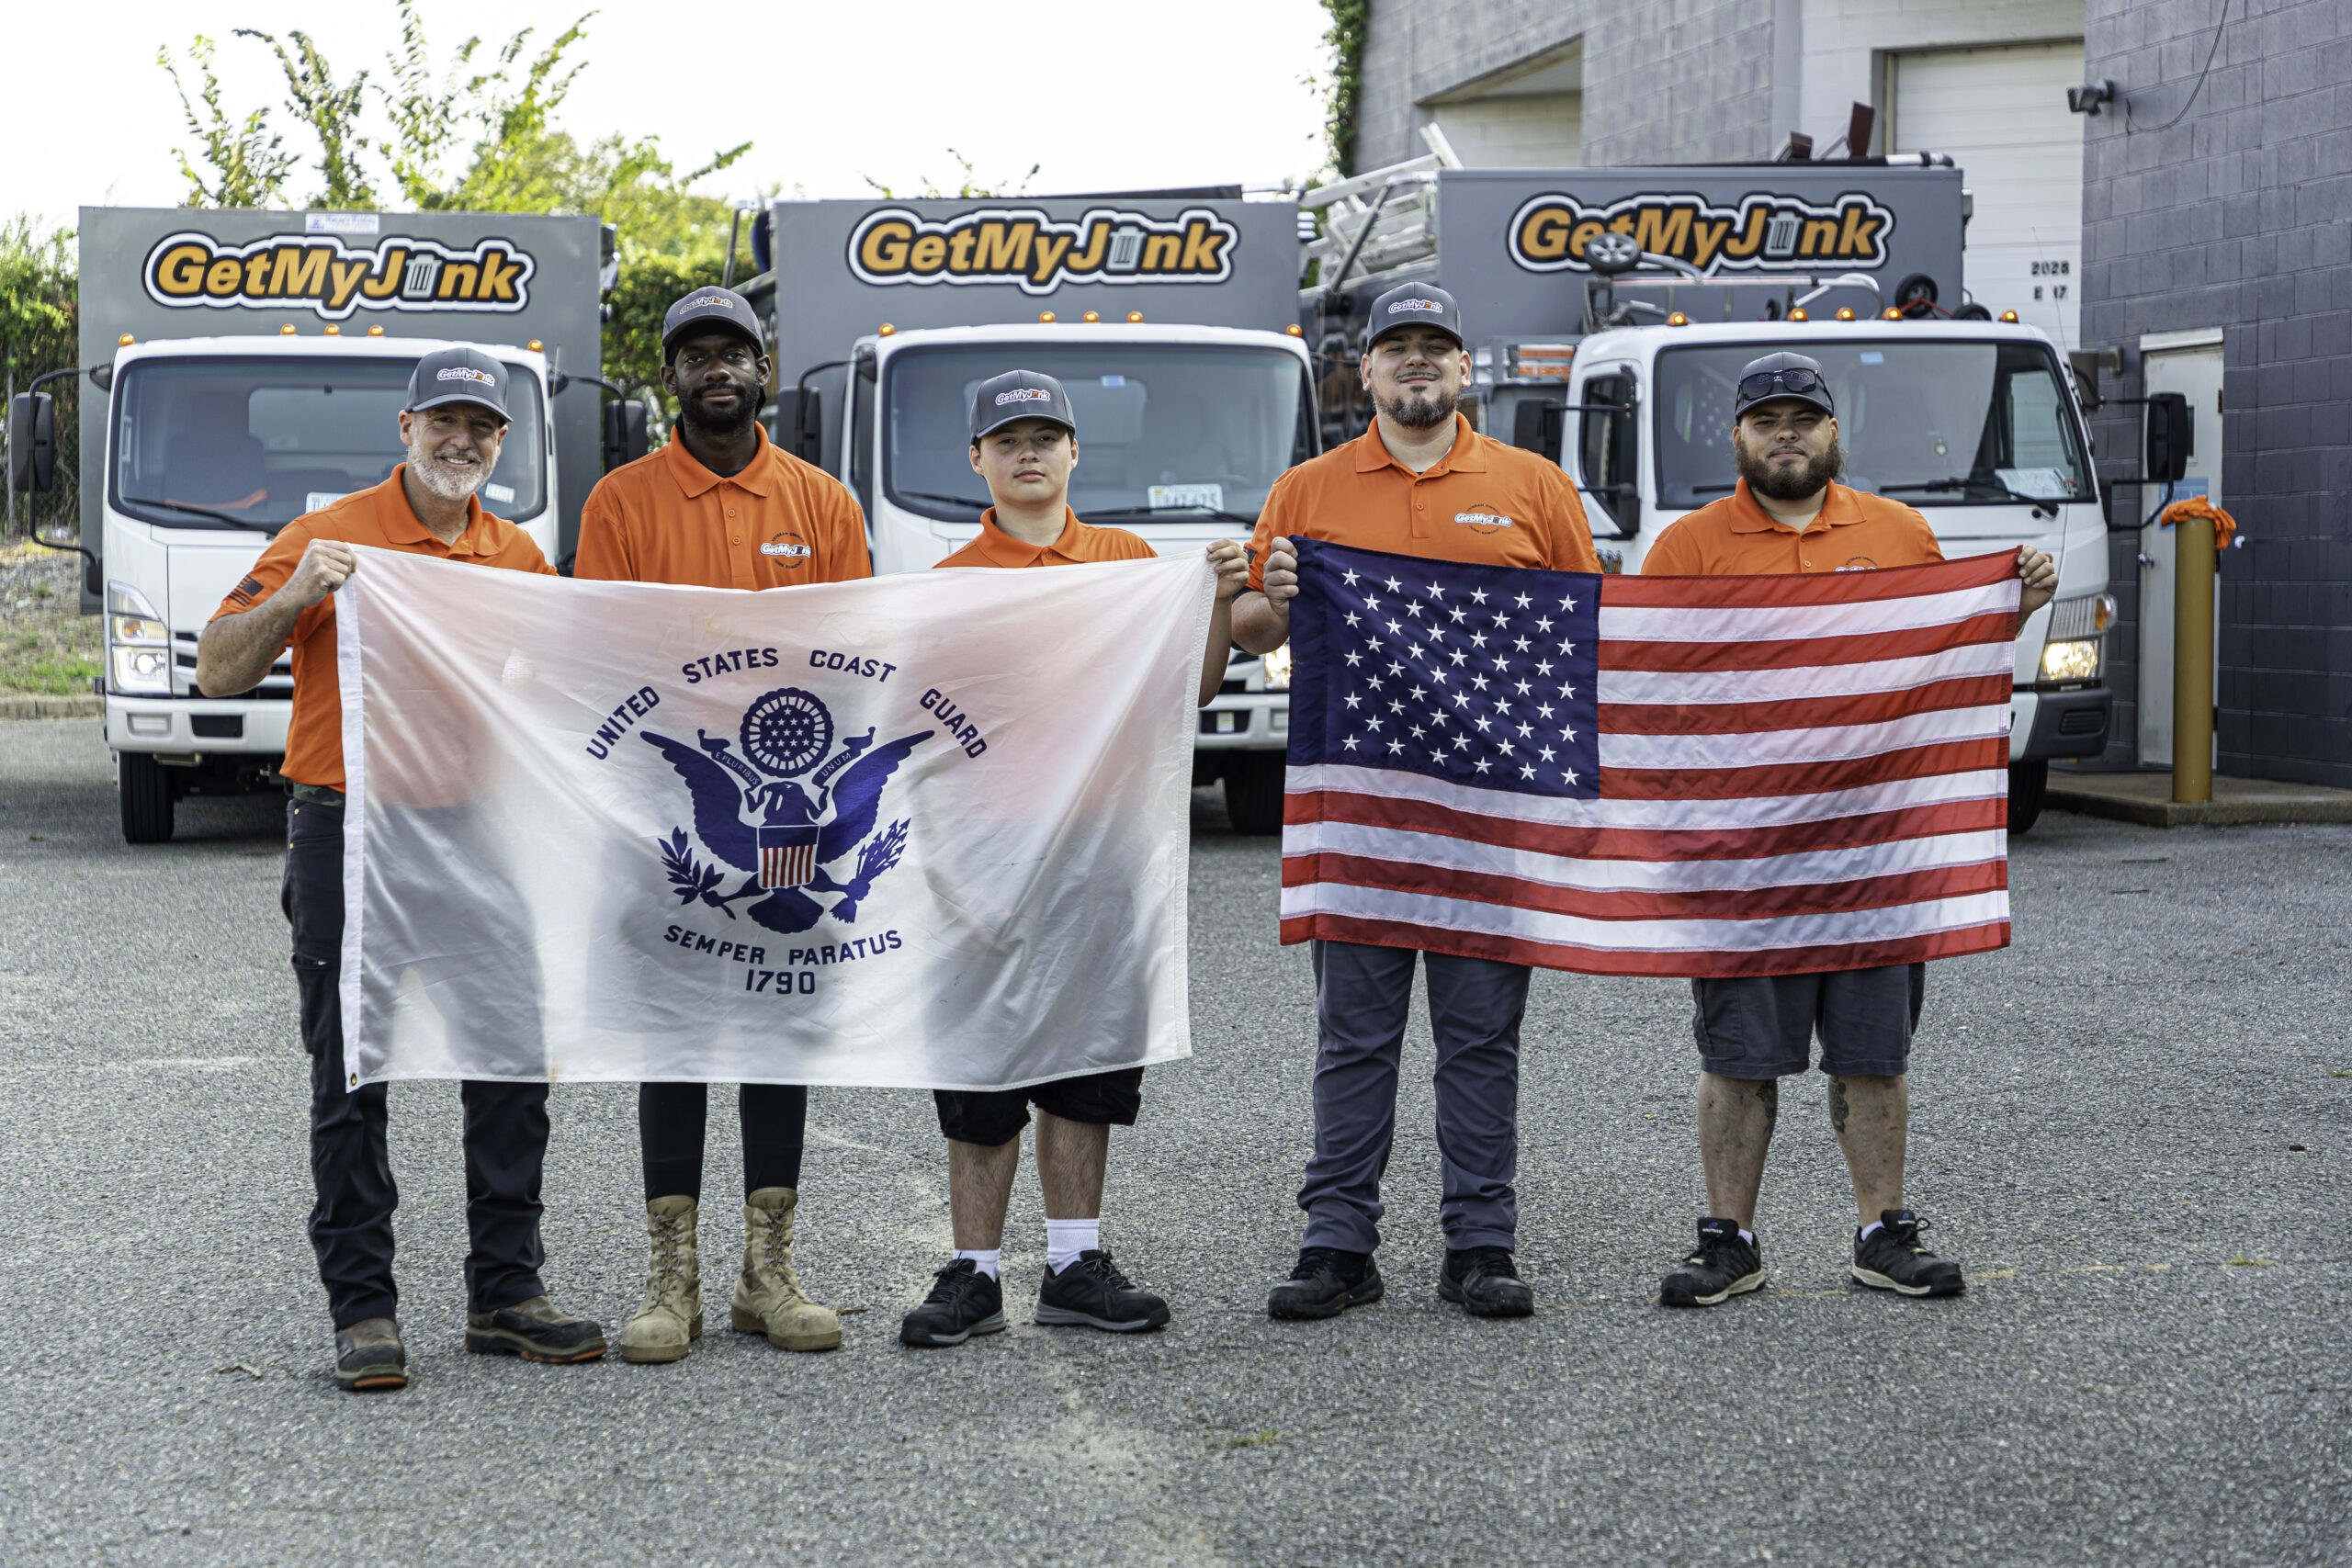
(721, 507)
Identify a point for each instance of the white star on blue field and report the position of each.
(1479, 675)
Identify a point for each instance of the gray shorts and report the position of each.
(1762, 1027)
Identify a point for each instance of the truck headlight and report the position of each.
(141, 669)
(1278, 668)
(2070, 661)
(137, 629)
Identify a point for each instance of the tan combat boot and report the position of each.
(670, 1319)
(768, 1297)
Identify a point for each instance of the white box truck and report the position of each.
(240, 368)
(1612, 310)
(1171, 317)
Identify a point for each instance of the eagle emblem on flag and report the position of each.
(780, 805)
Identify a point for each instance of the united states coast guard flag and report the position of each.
(1675, 776)
(926, 831)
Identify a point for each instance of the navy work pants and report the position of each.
(351, 1221)
(1362, 998)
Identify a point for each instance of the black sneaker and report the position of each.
(1326, 1283)
(1485, 1282)
(535, 1330)
(1093, 1291)
(963, 1302)
(369, 1358)
(1891, 1258)
(1721, 1267)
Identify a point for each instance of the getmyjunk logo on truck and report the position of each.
(322, 274)
(1026, 247)
(1761, 229)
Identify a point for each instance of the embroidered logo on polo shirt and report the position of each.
(790, 546)
(1485, 519)
(1859, 563)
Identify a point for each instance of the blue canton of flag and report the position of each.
(1479, 676)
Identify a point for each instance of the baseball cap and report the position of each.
(1776, 377)
(719, 307)
(1020, 394)
(458, 376)
(1415, 305)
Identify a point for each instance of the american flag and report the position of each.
(1627, 776)
(787, 856)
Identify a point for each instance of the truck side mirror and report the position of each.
(32, 442)
(624, 432)
(2171, 433)
(1536, 427)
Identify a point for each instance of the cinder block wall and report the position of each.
(2239, 217)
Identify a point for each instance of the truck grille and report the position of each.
(277, 686)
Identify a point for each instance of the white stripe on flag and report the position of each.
(1783, 623)
(1807, 680)
(1811, 867)
(1923, 919)
(1763, 747)
(1745, 811)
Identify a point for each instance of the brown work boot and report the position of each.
(368, 1356)
(768, 1297)
(535, 1329)
(670, 1319)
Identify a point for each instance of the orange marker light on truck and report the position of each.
(1798, 315)
(1677, 319)
(333, 331)
(375, 332)
(1845, 312)
(1091, 316)
(285, 331)
(123, 342)
(1890, 314)
(1045, 317)
(1133, 317)
(884, 330)
(2009, 315)
(534, 345)
(1292, 330)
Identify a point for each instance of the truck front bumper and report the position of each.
(187, 728)
(2064, 722)
(1244, 721)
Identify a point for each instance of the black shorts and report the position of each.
(990, 1117)
(1762, 1026)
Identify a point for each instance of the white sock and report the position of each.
(1748, 1237)
(1873, 1225)
(1065, 1239)
(985, 1261)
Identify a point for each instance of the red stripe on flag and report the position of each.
(1802, 713)
(1805, 653)
(1802, 778)
(1757, 904)
(1986, 938)
(1421, 815)
(1805, 588)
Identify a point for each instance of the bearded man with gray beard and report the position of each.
(453, 424)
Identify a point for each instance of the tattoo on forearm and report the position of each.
(1837, 1105)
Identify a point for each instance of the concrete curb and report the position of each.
(2146, 799)
(35, 704)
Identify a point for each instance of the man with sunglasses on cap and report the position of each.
(721, 507)
(1024, 444)
(1789, 514)
(452, 425)
(1419, 482)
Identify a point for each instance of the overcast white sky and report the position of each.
(1104, 93)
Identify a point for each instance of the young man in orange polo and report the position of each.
(721, 507)
(452, 426)
(1788, 514)
(1024, 444)
(1419, 482)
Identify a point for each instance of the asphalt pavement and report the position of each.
(2132, 1128)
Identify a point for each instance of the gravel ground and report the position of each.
(2152, 1364)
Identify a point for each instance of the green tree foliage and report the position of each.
(249, 168)
(38, 334)
(1350, 21)
(969, 188)
(331, 112)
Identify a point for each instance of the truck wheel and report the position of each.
(2029, 786)
(1254, 791)
(145, 787)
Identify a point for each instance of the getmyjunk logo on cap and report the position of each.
(1403, 305)
(466, 373)
(1025, 395)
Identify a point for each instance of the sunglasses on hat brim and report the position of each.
(1796, 378)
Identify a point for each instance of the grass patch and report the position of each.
(53, 677)
(1251, 1440)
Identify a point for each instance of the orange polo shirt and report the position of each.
(1482, 503)
(665, 518)
(1736, 537)
(1079, 542)
(378, 517)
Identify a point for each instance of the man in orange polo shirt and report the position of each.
(1024, 444)
(721, 507)
(1419, 482)
(452, 426)
(1788, 514)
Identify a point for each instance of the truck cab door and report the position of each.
(1606, 451)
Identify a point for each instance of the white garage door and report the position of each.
(2001, 114)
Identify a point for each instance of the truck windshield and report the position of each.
(1180, 429)
(203, 443)
(1929, 424)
